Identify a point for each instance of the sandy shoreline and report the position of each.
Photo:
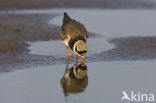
(18, 30)
(21, 28)
(105, 4)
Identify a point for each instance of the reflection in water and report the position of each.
(75, 79)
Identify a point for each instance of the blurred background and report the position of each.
(109, 4)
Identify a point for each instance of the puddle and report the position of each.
(109, 23)
(100, 82)
(57, 48)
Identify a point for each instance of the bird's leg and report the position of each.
(67, 67)
(68, 60)
(77, 57)
(69, 53)
(68, 57)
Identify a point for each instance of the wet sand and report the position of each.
(131, 48)
(105, 4)
(15, 35)
(16, 32)
(23, 28)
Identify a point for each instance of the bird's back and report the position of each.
(72, 28)
(75, 29)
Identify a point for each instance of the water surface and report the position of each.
(99, 82)
(105, 83)
(58, 49)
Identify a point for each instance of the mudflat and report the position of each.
(111, 4)
(16, 30)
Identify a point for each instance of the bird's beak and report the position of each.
(83, 56)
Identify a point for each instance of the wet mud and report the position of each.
(23, 28)
(109, 4)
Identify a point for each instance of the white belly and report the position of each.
(66, 42)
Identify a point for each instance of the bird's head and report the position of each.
(80, 48)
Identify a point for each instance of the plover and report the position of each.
(74, 36)
(75, 79)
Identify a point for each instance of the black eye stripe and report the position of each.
(82, 52)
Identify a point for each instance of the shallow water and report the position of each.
(104, 82)
(98, 81)
(57, 48)
(108, 23)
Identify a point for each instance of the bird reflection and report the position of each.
(75, 79)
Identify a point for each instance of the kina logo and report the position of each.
(137, 97)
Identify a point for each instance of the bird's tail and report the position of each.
(66, 18)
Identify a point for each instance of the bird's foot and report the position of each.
(83, 59)
(69, 53)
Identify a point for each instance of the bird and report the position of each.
(75, 79)
(74, 36)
